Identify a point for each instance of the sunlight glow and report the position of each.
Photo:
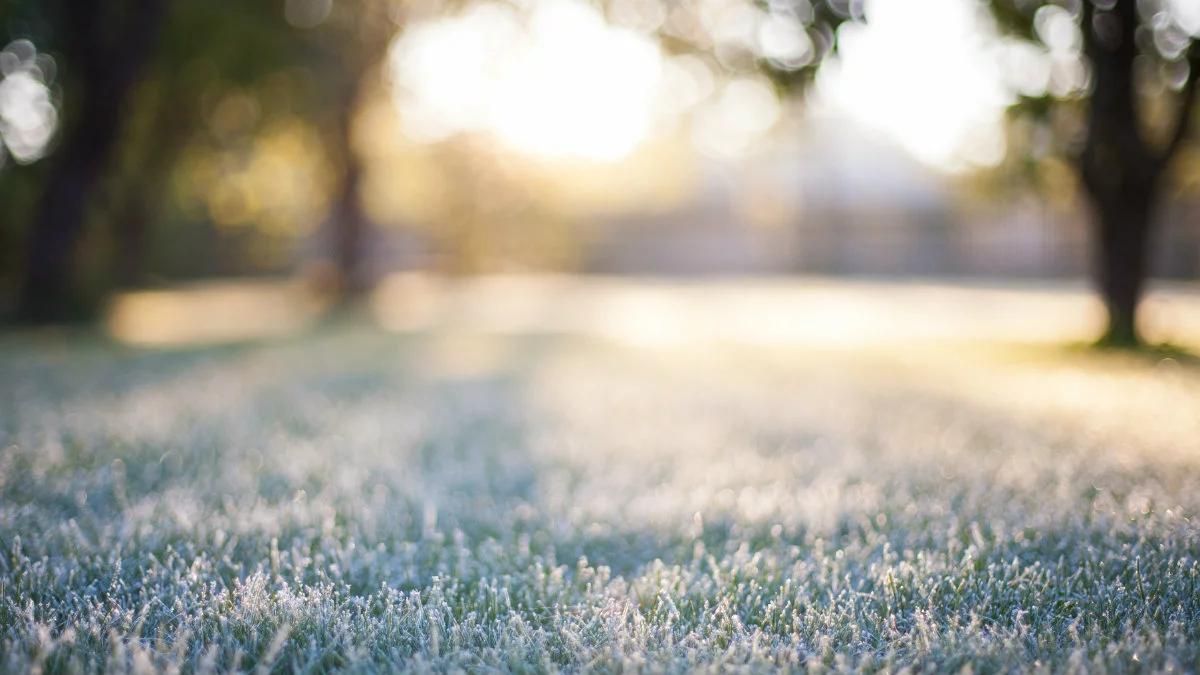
(764, 312)
(211, 313)
(560, 83)
(921, 73)
(28, 117)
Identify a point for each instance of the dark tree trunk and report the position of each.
(347, 223)
(108, 70)
(1122, 237)
(347, 48)
(1120, 171)
(59, 219)
(140, 200)
(131, 229)
(1123, 173)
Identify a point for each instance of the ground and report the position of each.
(553, 475)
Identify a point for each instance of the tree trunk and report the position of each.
(349, 233)
(347, 221)
(139, 201)
(130, 231)
(1122, 238)
(1120, 171)
(59, 219)
(108, 70)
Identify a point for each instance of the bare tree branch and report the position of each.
(1087, 26)
(1187, 107)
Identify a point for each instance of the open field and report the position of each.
(523, 477)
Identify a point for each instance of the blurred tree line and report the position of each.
(162, 105)
(201, 119)
(1108, 91)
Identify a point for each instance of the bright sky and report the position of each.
(921, 73)
(564, 83)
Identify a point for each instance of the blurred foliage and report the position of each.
(243, 139)
(789, 46)
(229, 146)
(1048, 123)
(238, 145)
(219, 75)
(223, 77)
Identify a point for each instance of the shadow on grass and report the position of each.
(1159, 353)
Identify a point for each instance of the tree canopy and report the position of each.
(157, 114)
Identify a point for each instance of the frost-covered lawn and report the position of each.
(448, 499)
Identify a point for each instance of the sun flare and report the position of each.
(557, 82)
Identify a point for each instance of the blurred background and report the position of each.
(183, 169)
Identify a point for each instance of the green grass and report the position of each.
(361, 501)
